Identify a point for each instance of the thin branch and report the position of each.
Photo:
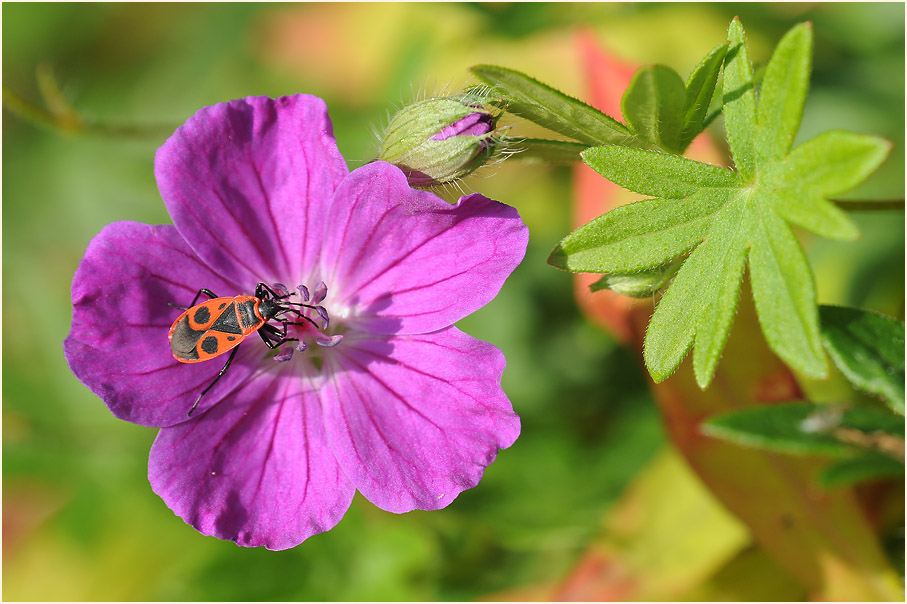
(855, 205)
(58, 115)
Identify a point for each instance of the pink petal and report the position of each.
(248, 183)
(118, 344)
(256, 469)
(414, 420)
(411, 262)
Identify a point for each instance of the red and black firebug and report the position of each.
(218, 325)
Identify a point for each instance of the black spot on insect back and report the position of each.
(201, 316)
(209, 345)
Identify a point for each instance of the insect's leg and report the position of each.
(274, 337)
(269, 338)
(203, 290)
(214, 381)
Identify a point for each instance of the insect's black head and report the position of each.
(271, 304)
(268, 305)
(269, 308)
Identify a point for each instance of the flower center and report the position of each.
(305, 322)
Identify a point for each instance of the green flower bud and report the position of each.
(643, 284)
(439, 140)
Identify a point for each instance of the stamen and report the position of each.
(308, 326)
(281, 290)
(321, 290)
(323, 313)
(329, 341)
(285, 354)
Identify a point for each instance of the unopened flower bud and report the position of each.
(439, 140)
(643, 284)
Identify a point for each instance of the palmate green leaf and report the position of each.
(700, 88)
(807, 428)
(539, 103)
(653, 106)
(725, 218)
(868, 348)
(871, 466)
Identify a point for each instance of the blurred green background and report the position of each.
(80, 521)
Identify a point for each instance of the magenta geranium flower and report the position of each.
(405, 407)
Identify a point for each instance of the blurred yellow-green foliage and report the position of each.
(79, 519)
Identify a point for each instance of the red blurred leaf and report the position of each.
(27, 505)
(599, 576)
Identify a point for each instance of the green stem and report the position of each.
(552, 151)
(851, 205)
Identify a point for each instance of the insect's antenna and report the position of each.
(299, 314)
(298, 304)
(296, 311)
(311, 321)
